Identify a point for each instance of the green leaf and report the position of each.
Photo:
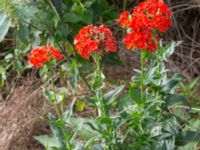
(66, 67)
(18, 52)
(59, 131)
(175, 99)
(3, 72)
(18, 66)
(27, 11)
(3, 75)
(103, 4)
(80, 106)
(57, 7)
(49, 141)
(97, 147)
(66, 116)
(191, 136)
(124, 101)
(62, 90)
(171, 125)
(151, 73)
(54, 97)
(187, 137)
(134, 94)
(79, 146)
(87, 17)
(169, 50)
(43, 71)
(23, 33)
(97, 80)
(9, 57)
(170, 85)
(5, 23)
(194, 83)
(88, 3)
(111, 95)
(86, 127)
(105, 120)
(144, 54)
(72, 17)
(167, 144)
(189, 146)
(73, 76)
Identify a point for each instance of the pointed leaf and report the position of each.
(57, 7)
(169, 86)
(111, 95)
(58, 130)
(169, 49)
(175, 99)
(135, 95)
(5, 22)
(87, 127)
(49, 141)
(72, 17)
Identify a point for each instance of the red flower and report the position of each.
(54, 52)
(125, 19)
(140, 40)
(94, 39)
(147, 17)
(155, 14)
(39, 56)
(108, 41)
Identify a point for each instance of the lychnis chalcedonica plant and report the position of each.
(136, 115)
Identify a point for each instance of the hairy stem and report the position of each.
(99, 92)
(142, 76)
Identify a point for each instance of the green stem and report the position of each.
(99, 93)
(80, 73)
(158, 61)
(124, 5)
(83, 79)
(58, 110)
(142, 76)
(157, 48)
(56, 105)
(157, 56)
(102, 104)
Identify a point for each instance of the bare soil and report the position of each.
(20, 118)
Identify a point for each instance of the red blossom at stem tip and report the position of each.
(39, 56)
(92, 39)
(147, 18)
(140, 40)
(125, 19)
(153, 14)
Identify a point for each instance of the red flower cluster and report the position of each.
(155, 14)
(140, 40)
(92, 39)
(39, 56)
(146, 18)
(125, 19)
